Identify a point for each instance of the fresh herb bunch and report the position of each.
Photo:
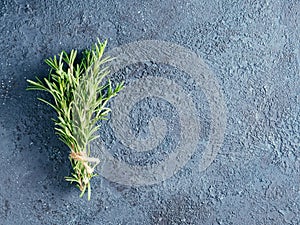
(80, 101)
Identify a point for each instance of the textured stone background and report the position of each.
(253, 48)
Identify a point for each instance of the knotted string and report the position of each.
(82, 157)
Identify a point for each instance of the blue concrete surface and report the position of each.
(253, 50)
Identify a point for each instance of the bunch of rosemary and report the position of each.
(80, 101)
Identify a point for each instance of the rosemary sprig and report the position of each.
(80, 101)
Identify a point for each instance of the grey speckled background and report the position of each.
(253, 48)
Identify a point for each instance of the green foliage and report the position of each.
(80, 101)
